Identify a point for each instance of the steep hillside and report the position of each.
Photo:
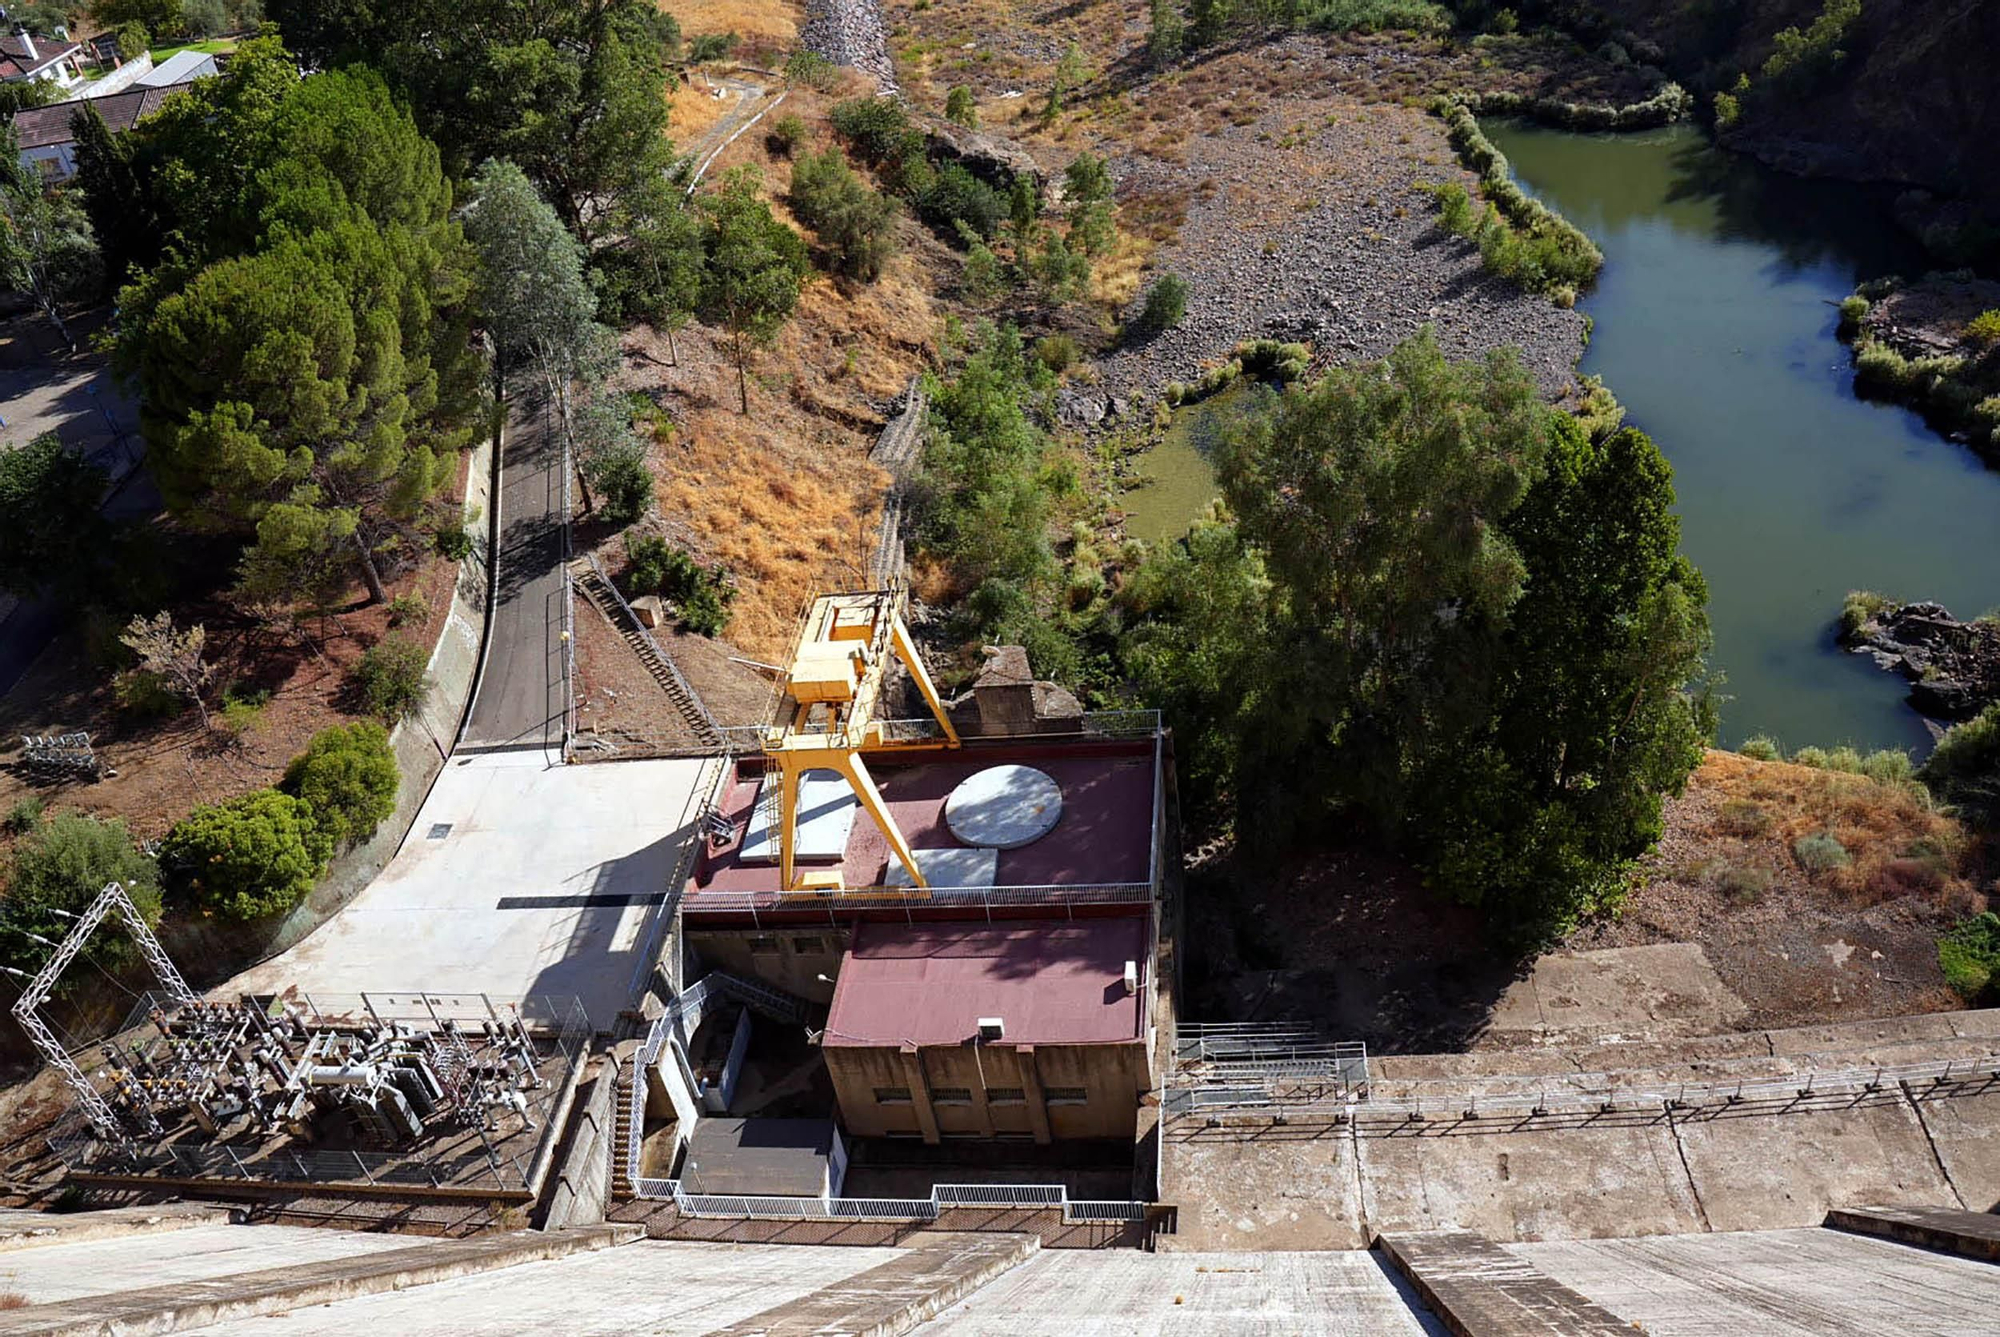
(1915, 101)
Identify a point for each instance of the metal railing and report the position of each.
(1587, 1095)
(943, 1197)
(559, 1022)
(740, 739)
(568, 616)
(1065, 897)
(704, 724)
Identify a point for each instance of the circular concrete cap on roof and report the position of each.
(1004, 807)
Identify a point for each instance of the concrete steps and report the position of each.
(608, 602)
(921, 1282)
(219, 1298)
(1478, 1289)
(622, 1134)
(1967, 1234)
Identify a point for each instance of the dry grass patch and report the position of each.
(768, 22)
(1865, 839)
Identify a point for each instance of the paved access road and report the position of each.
(520, 701)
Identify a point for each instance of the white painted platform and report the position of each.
(949, 868)
(827, 806)
(653, 1287)
(549, 880)
(1004, 807)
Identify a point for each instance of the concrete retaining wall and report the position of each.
(581, 1192)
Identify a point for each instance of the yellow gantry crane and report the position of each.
(829, 717)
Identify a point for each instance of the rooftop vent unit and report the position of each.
(991, 1028)
(1131, 977)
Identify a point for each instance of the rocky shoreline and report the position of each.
(1330, 239)
(1953, 666)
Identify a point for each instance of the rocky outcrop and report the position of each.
(1953, 666)
(1914, 102)
(993, 160)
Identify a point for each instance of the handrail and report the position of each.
(943, 1197)
(705, 726)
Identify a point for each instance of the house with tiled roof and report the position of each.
(24, 56)
(47, 136)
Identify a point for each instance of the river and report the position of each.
(1715, 328)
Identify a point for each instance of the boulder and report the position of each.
(994, 160)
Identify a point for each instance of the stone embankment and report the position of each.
(1953, 666)
(850, 32)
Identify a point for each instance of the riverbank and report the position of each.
(1312, 221)
(1933, 344)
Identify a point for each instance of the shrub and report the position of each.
(624, 486)
(955, 196)
(1741, 817)
(1888, 766)
(61, 865)
(1820, 854)
(811, 69)
(1166, 304)
(1853, 309)
(390, 680)
(878, 128)
(1964, 770)
(785, 136)
(1859, 608)
(145, 696)
(1519, 237)
(1880, 367)
(24, 816)
(960, 109)
(253, 856)
(855, 224)
(1969, 955)
(711, 47)
(1761, 747)
(407, 608)
(1057, 351)
(1984, 328)
(348, 775)
(454, 542)
(243, 710)
(700, 595)
(1740, 882)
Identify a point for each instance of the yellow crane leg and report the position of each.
(906, 650)
(793, 763)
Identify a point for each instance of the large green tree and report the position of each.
(47, 249)
(52, 536)
(755, 265)
(1440, 611)
(302, 348)
(574, 92)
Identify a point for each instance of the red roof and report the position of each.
(39, 127)
(15, 62)
(1050, 981)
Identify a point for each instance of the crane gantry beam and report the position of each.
(833, 696)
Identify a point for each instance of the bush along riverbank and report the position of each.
(1933, 344)
(1264, 359)
(1670, 104)
(1519, 237)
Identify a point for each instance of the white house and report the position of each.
(25, 56)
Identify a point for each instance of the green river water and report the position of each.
(1715, 326)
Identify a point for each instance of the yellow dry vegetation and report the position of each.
(785, 496)
(1899, 844)
(774, 22)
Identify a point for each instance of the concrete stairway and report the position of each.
(622, 1133)
(1479, 1289)
(622, 619)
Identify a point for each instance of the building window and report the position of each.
(951, 1095)
(1068, 1095)
(809, 946)
(1006, 1095)
(763, 945)
(892, 1095)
